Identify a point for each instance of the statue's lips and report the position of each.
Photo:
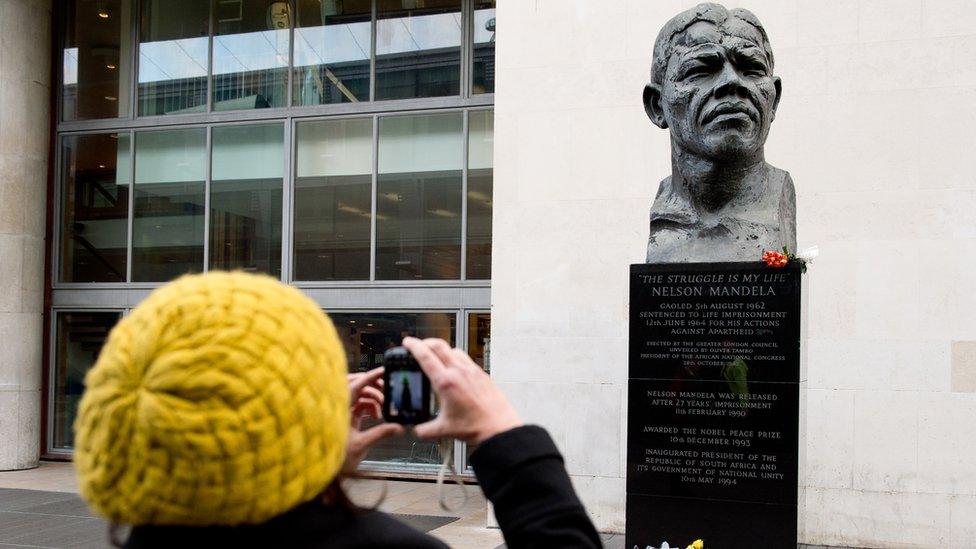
(727, 111)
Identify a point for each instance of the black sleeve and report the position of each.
(522, 473)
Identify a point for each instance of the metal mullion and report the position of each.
(372, 51)
(377, 284)
(129, 241)
(461, 336)
(362, 108)
(137, 44)
(206, 199)
(51, 379)
(464, 197)
(210, 49)
(467, 37)
(291, 60)
(375, 184)
(288, 203)
(134, 6)
(60, 26)
(58, 211)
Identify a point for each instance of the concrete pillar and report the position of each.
(25, 91)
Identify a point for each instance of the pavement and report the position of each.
(40, 508)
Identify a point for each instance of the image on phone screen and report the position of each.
(406, 391)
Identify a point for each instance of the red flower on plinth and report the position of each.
(775, 259)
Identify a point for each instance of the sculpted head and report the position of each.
(712, 83)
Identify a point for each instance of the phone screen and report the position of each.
(406, 390)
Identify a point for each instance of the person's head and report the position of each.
(712, 83)
(221, 399)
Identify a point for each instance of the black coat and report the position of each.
(520, 471)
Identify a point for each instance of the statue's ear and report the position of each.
(778, 84)
(653, 106)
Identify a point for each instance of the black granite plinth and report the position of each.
(713, 412)
(722, 524)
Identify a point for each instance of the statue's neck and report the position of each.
(712, 184)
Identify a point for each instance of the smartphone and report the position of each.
(406, 390)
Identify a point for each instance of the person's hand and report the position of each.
(473, 408)
(366, 400)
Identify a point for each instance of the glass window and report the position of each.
(418, 48)
(79, 337)
(250, 54)
(245, 198)
(479, 339)
(332, 49)
(479, 347)
(96, 68)
(483, 53)
(481, 127)
(173, 56)
(333, 199)
(94, 207)
(167, 228)
(418, 197)
(366, 336)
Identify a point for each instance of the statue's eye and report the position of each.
(696, 71)
(754, 69)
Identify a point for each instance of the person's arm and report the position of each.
(519, 468)
(522, 473)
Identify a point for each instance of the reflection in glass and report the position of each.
(167, 227)
(418, 49)
(245, 198)
(250, 54)
(332, 48)
(479, 347)
(479, 339)
(333, 199)
(96, 64)
(418, 197)
(481, 126)
(366, 336)
(94, 207)
(79, 337)
(173, 56)
(483, 54)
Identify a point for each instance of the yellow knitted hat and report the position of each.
(221, 399)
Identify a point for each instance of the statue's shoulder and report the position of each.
(780, 180)
(672, 206)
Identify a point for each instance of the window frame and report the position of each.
(290, 148)
(48, 448)
(132, 119)
(457, 296)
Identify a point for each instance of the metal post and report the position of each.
(375, 183)
(206, 200)
(464, 196)
(130, 222)
(288, 203)
(372, 52)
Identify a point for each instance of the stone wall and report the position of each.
(876, 126)
(25, 88)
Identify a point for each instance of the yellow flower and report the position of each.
(697, 544)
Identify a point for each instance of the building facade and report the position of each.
(348, 147)
(342, 146)
(875, 127)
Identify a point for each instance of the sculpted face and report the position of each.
(718, 95)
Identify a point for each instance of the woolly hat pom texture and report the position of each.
(220, 400)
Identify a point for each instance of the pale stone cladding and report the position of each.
(25, 91)
(877, 126)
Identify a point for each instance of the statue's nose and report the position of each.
(730, 83)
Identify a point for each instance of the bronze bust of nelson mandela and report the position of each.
(712, 86)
